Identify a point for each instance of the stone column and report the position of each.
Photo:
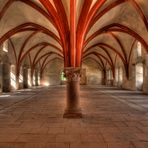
(1, 74)
(39, 81)
(19, 78)
(129, 83)
(29, 78)
(1, 68)
(41, 78)
(6, 77)
(73, 109)
(104, 77)
(83, 80)
(32, 78)
(36, 77)
(25, 77)
(145, 79)
(17, 81)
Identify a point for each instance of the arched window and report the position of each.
(5, 46)
(139, 76)
(63, 78)
(139, 49)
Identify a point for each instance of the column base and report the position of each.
(72, 114)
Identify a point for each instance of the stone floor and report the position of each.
(113, 118)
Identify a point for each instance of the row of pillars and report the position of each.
(108, 79)
(10, 81)
(72, 109)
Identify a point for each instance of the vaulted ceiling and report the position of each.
(104, 30)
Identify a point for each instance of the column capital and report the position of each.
(72, 73)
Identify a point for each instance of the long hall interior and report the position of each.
(73, 74)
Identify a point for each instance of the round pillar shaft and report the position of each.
(25, 76)
(17, 82)
(73, 109)
(36, 78)
(6, 77)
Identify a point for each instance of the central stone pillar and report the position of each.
(73, 109)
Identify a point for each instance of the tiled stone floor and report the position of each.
(113, 118)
